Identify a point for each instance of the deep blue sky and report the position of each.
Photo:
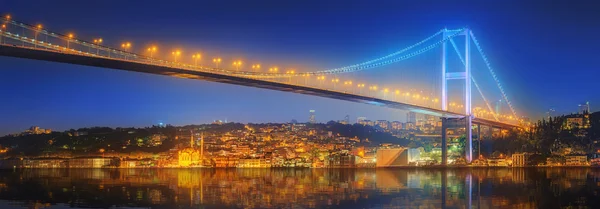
(546, 54)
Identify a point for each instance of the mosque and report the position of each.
(192, 156)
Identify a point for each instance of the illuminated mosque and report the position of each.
(192, 156)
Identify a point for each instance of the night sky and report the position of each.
(546, 55)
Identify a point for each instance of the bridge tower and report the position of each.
(461, 75)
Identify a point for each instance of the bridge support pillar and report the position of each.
(469, 118)
(468, 139)
(478, 140)
(444, 79)
(444, 142)
(465, 122)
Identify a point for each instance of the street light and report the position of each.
(306, 79)
(196, 57)
(237, 64)
(416, 98)
(452, 104)
(256, 67)
(69, 37)
(334, 81)
(3, 31)
(7, 17)
(176, 54)
(360, 87)
(39, 28)
(152, 50)
(125, 47)
(273, 69)
(292, 72)
(321, 79)
(385, 91)
(217, 61)
(373, 88)
(98, 42)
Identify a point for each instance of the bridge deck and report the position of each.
(56, 56)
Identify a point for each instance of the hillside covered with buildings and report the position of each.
(551, 141)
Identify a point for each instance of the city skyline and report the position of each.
(311, 118)
(92, 97)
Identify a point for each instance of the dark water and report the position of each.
(301, 188)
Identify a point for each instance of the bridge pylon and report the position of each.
(460, 75)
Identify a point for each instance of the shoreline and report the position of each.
(277, 168)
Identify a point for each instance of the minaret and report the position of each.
(201, 148)
(191, 139)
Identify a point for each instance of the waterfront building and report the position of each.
(367, 161)
(253, 163)
(226, 162)
(595, 162)
(553, 162)
(138, 163)
(341, 160)
(90, 162)
(497, 162)
(519, 159)
(577, 160)
(46, 163)
(391, 157)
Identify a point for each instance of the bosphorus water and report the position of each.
(479, 188)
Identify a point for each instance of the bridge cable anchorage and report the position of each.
(489, 66)
(473, 79)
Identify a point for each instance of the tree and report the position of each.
(428, 147)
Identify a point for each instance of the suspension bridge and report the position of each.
(22, 40)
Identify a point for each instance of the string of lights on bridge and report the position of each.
(289, 76)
